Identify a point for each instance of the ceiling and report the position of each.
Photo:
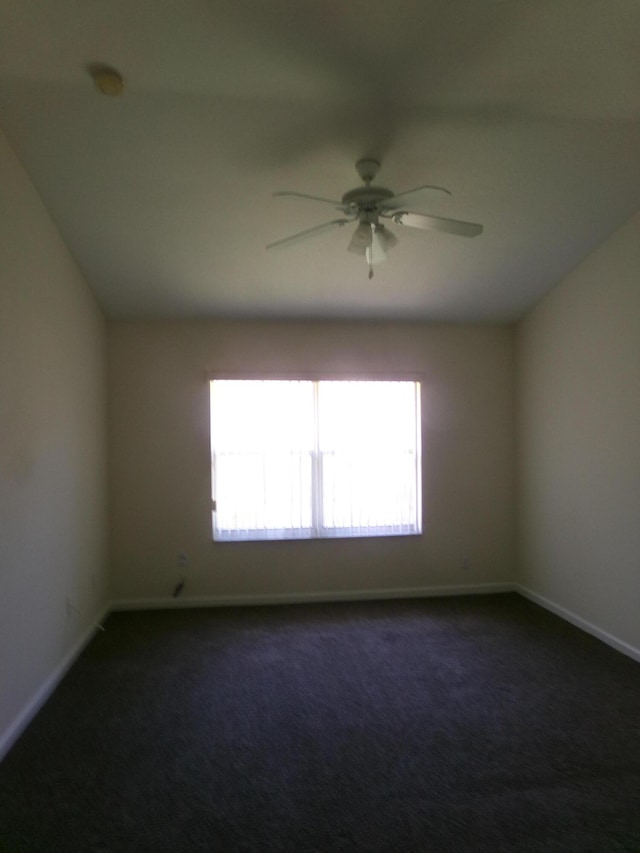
(529, 113)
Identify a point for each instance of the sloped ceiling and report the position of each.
(529, 113)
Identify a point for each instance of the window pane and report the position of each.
(360, 492)
(368, 444)
(262, 415)
(261, 492)
(262, 438)
(369, 415)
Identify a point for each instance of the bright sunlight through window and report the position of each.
(301, 459)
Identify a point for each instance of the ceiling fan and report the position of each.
(368, 205)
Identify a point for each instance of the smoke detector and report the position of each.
(107, 80)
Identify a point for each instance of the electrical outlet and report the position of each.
(183, 560)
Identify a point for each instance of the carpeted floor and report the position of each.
(462, 724)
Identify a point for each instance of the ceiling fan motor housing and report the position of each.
(366, 199)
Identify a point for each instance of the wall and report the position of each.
(53, 498)
(160, 476)
(578, 356)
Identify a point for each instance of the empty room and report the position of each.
(319, 426)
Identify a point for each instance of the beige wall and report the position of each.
(160, 464)
(578, 375)
(52, 448)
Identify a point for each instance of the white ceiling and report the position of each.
(529, 112)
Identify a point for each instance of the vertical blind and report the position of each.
(303, 459)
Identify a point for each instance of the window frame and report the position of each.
(318, 531)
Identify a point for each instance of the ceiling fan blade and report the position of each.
(293, 194)
(413, 197)
(309, 232)
(437, 223)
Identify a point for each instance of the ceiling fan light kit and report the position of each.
(361, 238)
(367, 205)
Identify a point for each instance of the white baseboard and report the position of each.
(308, 597)
(579, 622)
(28, 712)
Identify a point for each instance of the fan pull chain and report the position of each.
(371, 250)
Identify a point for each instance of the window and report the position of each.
(303, 459)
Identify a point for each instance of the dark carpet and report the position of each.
(461, 724)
